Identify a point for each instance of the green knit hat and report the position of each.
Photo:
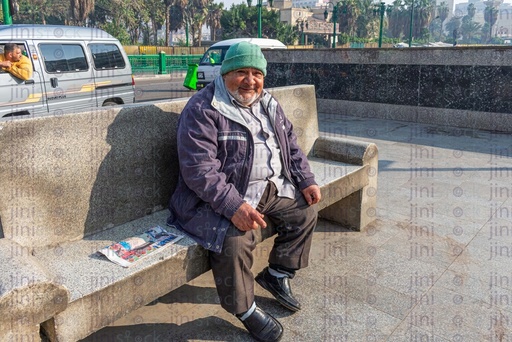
(244, 55)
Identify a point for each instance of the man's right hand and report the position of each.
(5, 64)
(247, 218)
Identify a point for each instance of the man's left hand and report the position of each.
(312, 194)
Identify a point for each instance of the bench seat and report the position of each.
(95, 281)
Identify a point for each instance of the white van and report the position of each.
(75, 69)
(209, 66)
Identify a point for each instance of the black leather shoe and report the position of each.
(279, 288)
(263, 327)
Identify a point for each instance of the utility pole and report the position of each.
(7, 13)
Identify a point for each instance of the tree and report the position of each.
(366, 24)
(468, 27)
(156, 16)
(234, 22)
(424, 11)
(213, 18)
(194, 13)
(397, 19)
(80, 9)
(453, 27)
(241, 21)
(471, 10)
(288, 34)
(348, 12)
(42, 12)
(173, 10)
(490, 17)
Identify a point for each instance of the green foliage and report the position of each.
(241, 21)
(42, 12)
(470, 30)
(117, 31)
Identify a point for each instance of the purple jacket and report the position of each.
(215, 151)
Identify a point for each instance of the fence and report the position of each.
(169, 50)
(161, 63)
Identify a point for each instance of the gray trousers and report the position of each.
(294, 221)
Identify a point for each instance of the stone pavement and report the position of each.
(435, 266)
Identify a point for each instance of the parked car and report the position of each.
(75, 68)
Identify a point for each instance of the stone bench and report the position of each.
(73, 184)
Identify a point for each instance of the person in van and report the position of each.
(15, 63)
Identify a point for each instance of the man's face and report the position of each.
(15, 56)
(245, 84)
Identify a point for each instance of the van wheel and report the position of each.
(109, 103)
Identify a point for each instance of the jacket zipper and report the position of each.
(273, 122)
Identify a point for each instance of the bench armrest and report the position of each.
(28, 296)
(359, 209)
(345, 150)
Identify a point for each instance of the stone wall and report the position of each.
(462, 86)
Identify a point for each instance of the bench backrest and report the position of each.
(65, 177)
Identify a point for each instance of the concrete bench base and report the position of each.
(102, 292)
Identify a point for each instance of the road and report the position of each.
(160, 88)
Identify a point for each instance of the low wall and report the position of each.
(467, 87)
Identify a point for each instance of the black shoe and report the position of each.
(279, 288)
(263, 327)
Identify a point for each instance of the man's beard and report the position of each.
(242, 100)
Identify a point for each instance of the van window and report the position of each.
(107, 56)
(63, 58)
(214, 56)
(20, 45)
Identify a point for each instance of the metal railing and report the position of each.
(161, 63)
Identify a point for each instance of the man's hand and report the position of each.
(312, 194)
(5, 64)
(247, 218)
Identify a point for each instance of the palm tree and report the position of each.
(424, 11)
(397, 19)
(491, 15)
(171, 4)
(213, 18)
(469, 29)
(80, 9)
(453, 26)
(347, 16)
(471, 10)
(442, 12)
(195, 15)
(366, 21)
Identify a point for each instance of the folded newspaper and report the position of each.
(127, 252)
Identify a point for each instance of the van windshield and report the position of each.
(214, 56)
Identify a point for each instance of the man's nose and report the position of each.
(250, 78)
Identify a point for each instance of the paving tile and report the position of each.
(423, 243)
(450, 313)
(407, 332)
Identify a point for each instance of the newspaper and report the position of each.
(127, 252)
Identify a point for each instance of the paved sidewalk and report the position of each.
(435, 266)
